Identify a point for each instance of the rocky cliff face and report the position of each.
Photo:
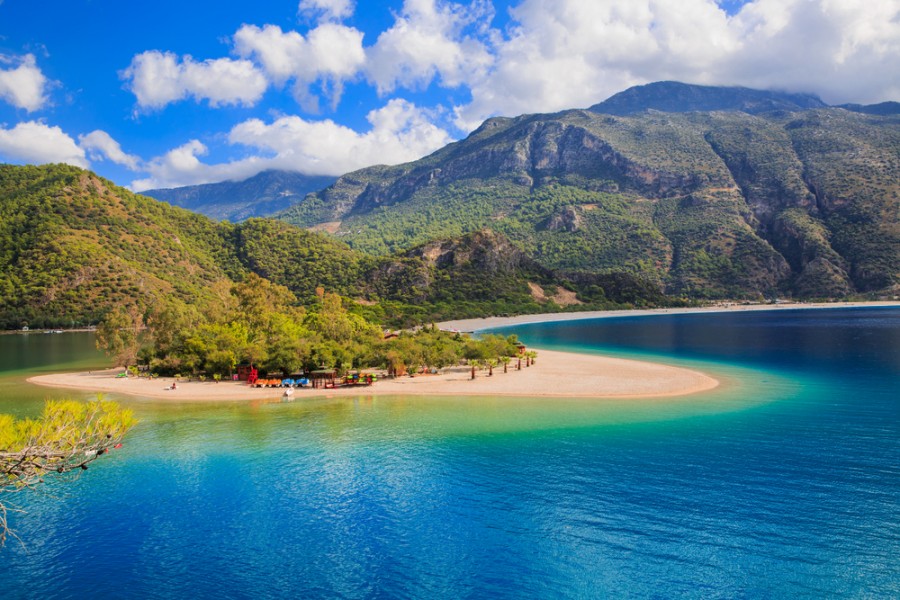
(715, 204)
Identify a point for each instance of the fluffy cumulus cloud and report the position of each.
(399, 132)
(331, 53)
(35, 142)
(182, 166)
(568, 53)
(431, 40)
(158, 78)
(99, 145)
(326, 9)
(22, 83)
(832, 47)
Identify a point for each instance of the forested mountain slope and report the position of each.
(706, 204)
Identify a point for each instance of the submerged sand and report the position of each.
(559, 374)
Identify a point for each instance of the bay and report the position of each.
(783, 483)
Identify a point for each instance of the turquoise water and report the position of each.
(784, 483)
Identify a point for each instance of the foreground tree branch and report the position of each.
(67, 437)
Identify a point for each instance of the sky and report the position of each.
(166, 93)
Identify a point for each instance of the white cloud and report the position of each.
(830, 47)
(430, 40)
(326, 9)
(24, 85)
(34, 142)
(181, 166)
(158, 78)
(567, 53)
(100, 145)
(331, 53)
(561, 54)
(400, 132)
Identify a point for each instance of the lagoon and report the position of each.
(784, 483)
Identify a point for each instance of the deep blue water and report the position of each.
(784, 483)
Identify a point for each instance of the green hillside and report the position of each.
(73, 246)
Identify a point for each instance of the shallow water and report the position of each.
(784, 483)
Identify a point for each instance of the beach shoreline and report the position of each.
(481, 324)
(554, 374)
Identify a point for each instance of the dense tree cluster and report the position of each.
(259, 323)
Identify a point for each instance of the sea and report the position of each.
(784, 482)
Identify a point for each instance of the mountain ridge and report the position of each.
(674, 96)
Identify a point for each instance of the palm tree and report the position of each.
(491, 363)
(505, 360)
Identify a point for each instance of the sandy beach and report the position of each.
(556, 374)
(470, 325)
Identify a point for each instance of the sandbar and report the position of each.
(554, 374)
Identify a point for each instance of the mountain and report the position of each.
(883, 108)
(74, 245)
(263, 194)
(704, 204)
(675, 97)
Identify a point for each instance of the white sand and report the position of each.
(554, 374)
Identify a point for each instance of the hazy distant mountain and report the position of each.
(883, 108)
(672, 96)
(263, 194)
(802, 201)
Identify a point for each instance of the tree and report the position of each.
(67, 437)
(491, 363)
(476, 364)
(117, 334)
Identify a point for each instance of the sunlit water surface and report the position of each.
(784, 482)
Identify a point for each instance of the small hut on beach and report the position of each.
(323, 378)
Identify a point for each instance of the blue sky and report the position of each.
(175, 93)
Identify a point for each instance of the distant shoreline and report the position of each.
(481, 324)
(48, 330)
